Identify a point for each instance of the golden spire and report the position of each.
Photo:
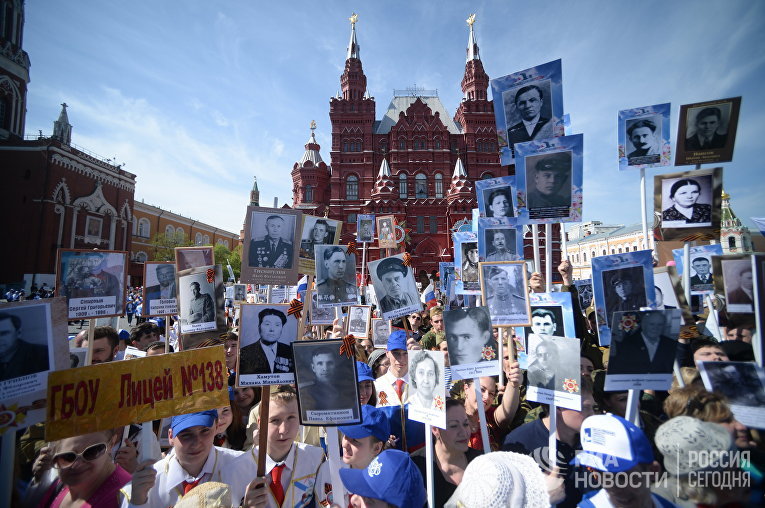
(313, 125)
(354, 18)
(471, 20)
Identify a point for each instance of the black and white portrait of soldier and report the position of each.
(270, 352)
(469, 262)
(274, 249)
(322, 377)
(91, 274)
(394, 286)
(624, 290)
(548, 185)
(553, 361)
(505, 293)
(336, 273)
(201, 308)
(644, 137)
(707, 123)
(530, 101)
(316, 232)
(18, 355)
(468, 336)
(500, 244)
(546, 322)
(357, 325)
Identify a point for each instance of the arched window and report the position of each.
(352, 187)
(402, 144)
(486, 176)
(439, 185)
(345, 145)
(437, 143)
(403, 192)
(420, 186)
(732, 242)
(206, 240)
(198, 239)
(308, 194)
(169, 230)
(144, 228)
(179, 232)
(225, 242)
(141, 257)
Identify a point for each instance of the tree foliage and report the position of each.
(164, 245)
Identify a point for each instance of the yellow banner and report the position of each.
(108, 395)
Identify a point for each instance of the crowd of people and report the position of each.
(209, 458)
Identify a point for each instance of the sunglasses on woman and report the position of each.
(67, 459)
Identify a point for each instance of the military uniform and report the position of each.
(388, 304)
(265, 254)
(469, 272)
(331, 291)
(504, 255)
(510, 304)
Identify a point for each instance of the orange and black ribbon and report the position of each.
(689, 332)
(296, 307)
(407, 259)
(352, 248)
(210, 275)
(346, 348)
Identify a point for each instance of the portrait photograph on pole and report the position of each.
(644, 137)
(266, 332)
(621, 282)
(742, 384)
(643, 346)
(386, 232)
(528, 105)
(160, 294)
(499, 242)
(316, 231)
(365, 228)
(495, 197)
(688, 204)
(427, 392)
(706, 133)
(327, 383)
(320, 315)
(201, 302)
(549, 175)
(394, 286)
(358, 320)
(33, 344)
(271, 246)
(335, 276)
(470, 343)
(193, 257)
(466, 274)
(503, 285)
(701, 270)
(93, 282)
(554, 374)
(737, 282)
(380, 332)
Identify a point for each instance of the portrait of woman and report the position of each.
(684, 195)
(425, 378)
(498, 203)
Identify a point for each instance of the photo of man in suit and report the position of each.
(19, 357)
(201, 306)
(550, 185)
(544, 363)
(529, 101)
(273, 251)
(166, 283)
(358, 324)
(325, 393)
(642, 135)
(703, 280)
(739, 290)
(645, 350)
(622, 293)
(706, 137)
(267, 355)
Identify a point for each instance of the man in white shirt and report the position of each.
(291, 468)
(393, 387)
(193, 460)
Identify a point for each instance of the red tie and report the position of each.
(276, 483)
(400, 389)
(187, 486)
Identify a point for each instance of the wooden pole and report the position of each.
(335, 464)
(548, 257)
(265, 401)
(643, 209)
(633, 406)
(429, 466)
(535, 240)
(91, 332)
(167, 334)
(362, 286)
(552, 441)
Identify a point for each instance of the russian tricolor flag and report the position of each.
(302, 287)
(428, 296)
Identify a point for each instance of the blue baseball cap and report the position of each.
(123, 334)
(364, 372)
(391, 477)
(179, 423)
(374, 422)
(611, 443)
(397, 340)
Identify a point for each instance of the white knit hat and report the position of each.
(682, 438)
(501, 479)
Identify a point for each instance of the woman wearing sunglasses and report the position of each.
(87, 476)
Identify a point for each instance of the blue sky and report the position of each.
(196, 97)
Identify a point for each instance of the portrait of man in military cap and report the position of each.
(336, 273)
(624, 290)
(394, 286)
(548, 185)
(504, 289)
